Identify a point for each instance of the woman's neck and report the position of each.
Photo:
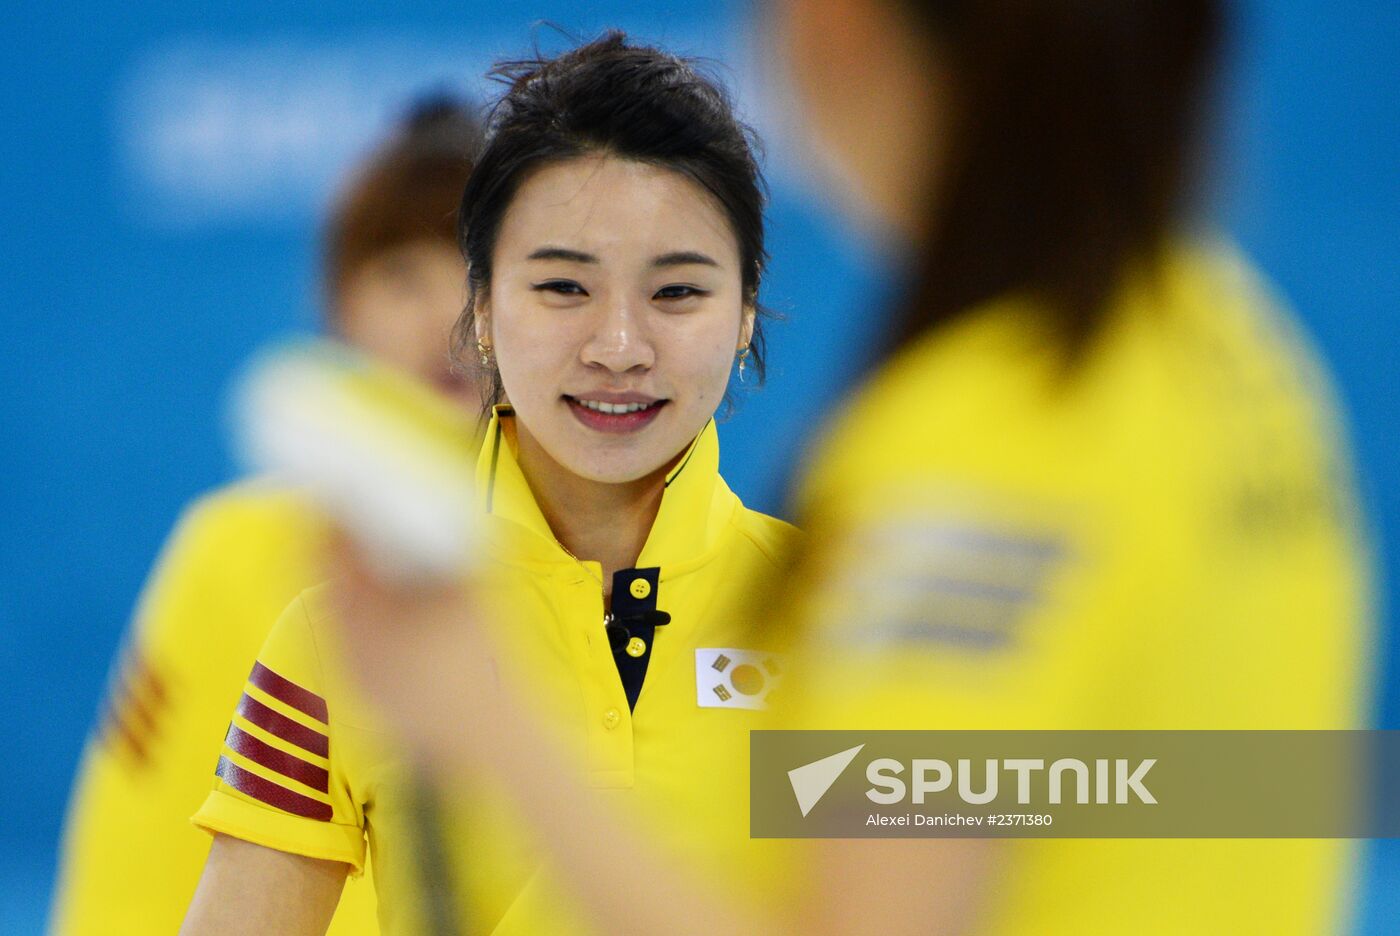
(607, 523)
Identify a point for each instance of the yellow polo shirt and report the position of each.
(1167, 540)
(130, 858)
(306, 768)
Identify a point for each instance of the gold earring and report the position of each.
(483, 352)
(743, 359)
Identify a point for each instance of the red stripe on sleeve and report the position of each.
(273, 794)
(146, 674)
(114, 729)
(284, 690)
(130, 701)
(288, 765)
(283, 727)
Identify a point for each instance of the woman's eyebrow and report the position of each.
(562, 253)
(675, 258)
(683, 258)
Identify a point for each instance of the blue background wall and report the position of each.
(163, 170)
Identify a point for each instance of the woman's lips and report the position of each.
(616, 423)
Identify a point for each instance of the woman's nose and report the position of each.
(619, 340)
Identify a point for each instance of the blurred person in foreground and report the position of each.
(1096, 482)
(613, 228)
(394, 285)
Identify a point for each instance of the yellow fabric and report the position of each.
(131, 858)
(657, 766)
(1165, 541)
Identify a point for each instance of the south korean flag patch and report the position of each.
(729, 678)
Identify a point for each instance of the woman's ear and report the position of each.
(746, 326)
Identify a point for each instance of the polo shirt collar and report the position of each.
(695, 506)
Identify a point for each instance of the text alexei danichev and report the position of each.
(918, 819)
(958, 819)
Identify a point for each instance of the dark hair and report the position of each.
(1073, 141)
(630, 101)
(406, 191)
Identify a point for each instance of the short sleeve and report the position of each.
(964, 566)
(147, 765)
(281, 780)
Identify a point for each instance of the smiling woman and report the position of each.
(615, 313)
(632, 329)
(614, 235)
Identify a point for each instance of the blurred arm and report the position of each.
(249, 889)
(147, 764)
(898, 886)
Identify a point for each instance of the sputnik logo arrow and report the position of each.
(811, 781)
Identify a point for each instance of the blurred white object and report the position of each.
(387, 458)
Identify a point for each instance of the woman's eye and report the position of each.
(561, 287)
(679, 292)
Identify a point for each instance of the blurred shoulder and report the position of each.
(962, 404)
(1228, 320)
(249, 506)
(237, 555)
(1198, 341)
(1253, 421)
(252, 524)
(315, 605)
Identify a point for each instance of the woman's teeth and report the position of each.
(615, 408)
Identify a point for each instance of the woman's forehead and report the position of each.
(614, 208)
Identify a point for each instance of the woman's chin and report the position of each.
(609, 471)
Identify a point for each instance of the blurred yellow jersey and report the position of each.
(657, 723)
(1163, 540)
(131, 858)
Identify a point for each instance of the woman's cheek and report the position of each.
(717, 379)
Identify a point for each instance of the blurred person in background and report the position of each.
(394, 284)
(614, 233)
(1096, 481)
